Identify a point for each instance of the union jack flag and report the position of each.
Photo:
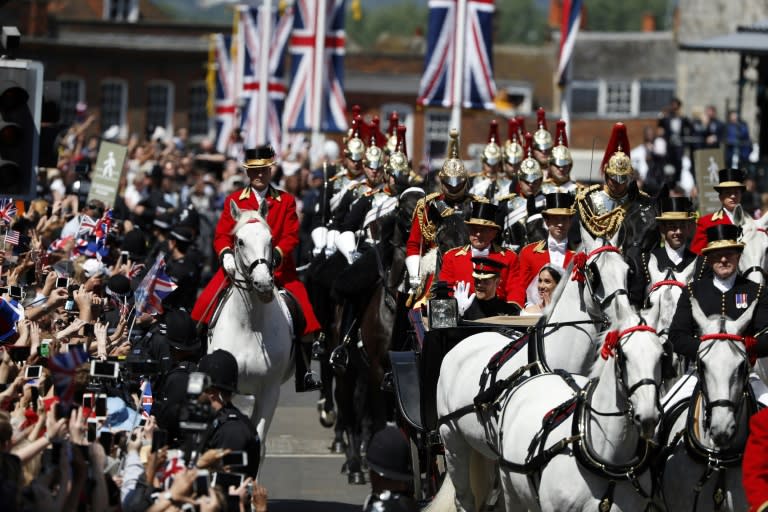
(146, 399)
(63, 368)
(155, 287)
(102, 228)
(222, 88)
(87, 226)
(569, 29)
(252, 21)
(302, 98)
(7, 210)
(60, 244)
(440, 69)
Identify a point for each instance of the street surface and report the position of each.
(300, 473)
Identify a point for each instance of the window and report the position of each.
(121, 10)
(585, 97)
(655, 95)
(72, 92)
(160, 106)
(198, 110)
(618, 98)
(114, 103)
(436, 133)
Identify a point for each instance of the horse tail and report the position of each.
(445, 499)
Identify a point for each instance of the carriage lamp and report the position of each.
(443, 309)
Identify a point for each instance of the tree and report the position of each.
(613, 16)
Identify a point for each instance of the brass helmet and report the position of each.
(561, 155)
(354, 149)
(616, 162)
(530, 169)
(542, 139)
(374, 155)
(492, 152)
(398, 166)
(391, 146)
(513, 150)
(453, 175)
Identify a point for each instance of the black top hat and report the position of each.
(486, 268)
(675, 208)
(559, 203)
(730, 178)
(260, 156)
(483, 214)
(180, 330)
(723, 236)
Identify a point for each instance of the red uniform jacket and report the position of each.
(457, 266)
(754, 466)
(707, 221)
(532, 257)
(284, 223)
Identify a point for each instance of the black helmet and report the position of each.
(189, 217)
(181, 330)
(221, 367)
(389, 455)
(388, 501)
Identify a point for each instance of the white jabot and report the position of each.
(477, 253)
(675, 255)
(261, 193)
(724, 284)
(729, 214)
(557, 251)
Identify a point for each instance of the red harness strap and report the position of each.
(580, 261)
(750, 343)
(667, 282)
(612, 339)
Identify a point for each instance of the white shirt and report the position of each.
(675, 255)
(557, 251)
(478, 253)
(724, 284)
(729, 214)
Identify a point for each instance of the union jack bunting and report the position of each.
(251, 27)
(223, 89)
(155, 287)
(63, 368)
(440, 73)
(569, 29)
(7, 210)
(302, 99)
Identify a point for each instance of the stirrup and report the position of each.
(318, 348)
(311, 381)
(339, 358)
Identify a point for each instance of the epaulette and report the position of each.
(480, 199)
(499, 249)
(430, 197)
(460, 251)
(506, 197)
(336, 176)
(540, 246)
(475, 174)
(584, 192)
(718, 214)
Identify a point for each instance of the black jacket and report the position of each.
(639, 277)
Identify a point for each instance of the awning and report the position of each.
(750, 40)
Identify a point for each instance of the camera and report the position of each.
(141, 366)
(15, 292)
(33, 372)
(62, 282)
(195, 416)
(104, 369)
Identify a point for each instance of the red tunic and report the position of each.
(532, 257)
(707, 221)
(284, 223)
(754, 466)
(457, 266)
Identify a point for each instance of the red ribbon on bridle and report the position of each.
(750, 343)
(612, 339)
(667, 282)
(580, 261)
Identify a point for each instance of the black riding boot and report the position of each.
(305, 378)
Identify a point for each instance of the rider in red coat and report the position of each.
(755, 463)
(730, 189)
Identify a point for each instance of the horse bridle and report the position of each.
(732, 339)
(591, 274)
(614, 348)
(245, 269)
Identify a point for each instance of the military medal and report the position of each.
(741, 301)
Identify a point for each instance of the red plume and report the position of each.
(355, 111)
(393, 121)
(357, 125)
(375, 131)
(493, 132)
(512, 129)
(401, 140)
(528, 144)
(619, 142)
(561, 137)
(520, 126)
(541, 118)
(579, 262)
(609, 344)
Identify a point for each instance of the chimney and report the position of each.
(555, 14)
(649, 22)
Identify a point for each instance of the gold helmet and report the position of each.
(374, 155)
(398, 166)
(561, 155)
(530, 169)
(513, 150)
(542, 139)
(616, 162)
(391, 146)
(453, 175)
(354, 149)
(492, 152)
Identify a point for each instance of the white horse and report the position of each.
(752, 264)
(601, 439)
(251, 322)
(572, 322)
(717, 427)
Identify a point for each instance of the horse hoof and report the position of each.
(339, 447)
(327, 418)
(356, 478)
(321, 405)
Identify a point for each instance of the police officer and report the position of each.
(184, 271)
(230, 428)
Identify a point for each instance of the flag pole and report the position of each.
(319, 65)
(265, 20)
(459, 48)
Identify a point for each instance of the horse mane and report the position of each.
(246, 217)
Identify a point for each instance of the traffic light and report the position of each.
(21, 86)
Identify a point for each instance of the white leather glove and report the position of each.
(228, 264)
(319, 238)
(412, 264)
(330, 242)
(347, 245)
(462, 296)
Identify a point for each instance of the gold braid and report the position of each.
(603, 226)
(428, 229)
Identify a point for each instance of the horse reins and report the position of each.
(246, 270)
